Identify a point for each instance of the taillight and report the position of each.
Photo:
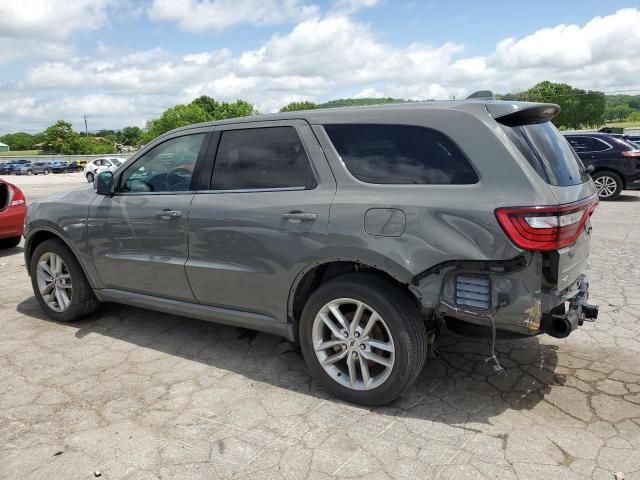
(546, 228)
(632, 153)
(16, 197)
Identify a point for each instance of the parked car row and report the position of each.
(26, 167)
(615, 161)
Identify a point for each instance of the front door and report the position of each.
(138, 237)
(262, 220)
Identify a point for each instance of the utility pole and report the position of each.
(86, 130)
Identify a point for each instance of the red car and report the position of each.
(13, 208)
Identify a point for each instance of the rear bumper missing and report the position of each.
(514, 296)
(560, 324)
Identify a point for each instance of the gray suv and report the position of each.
(357, 232)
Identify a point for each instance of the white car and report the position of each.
(99, 165)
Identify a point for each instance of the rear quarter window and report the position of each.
(400, 154)
(549, 153)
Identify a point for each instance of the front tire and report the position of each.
(363, 339)
(59, 284)
(608, 185)
(90, 177)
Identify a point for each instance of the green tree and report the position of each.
(19, 140)
(296, 106)
(202, 109)
(59, 134)
(634, 116)
(175, 117)
(208, 104)
(577, 107)
(131, 135)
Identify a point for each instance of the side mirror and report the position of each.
(590, 169)
(104, 183)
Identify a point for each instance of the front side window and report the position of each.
(167, 167)
(259, 158)
(400, 154)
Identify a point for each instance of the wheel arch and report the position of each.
(318, 273)
(612, 170)
(42, 234)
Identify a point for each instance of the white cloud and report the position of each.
(331, 57)
(204, 15)
(17, 48)
(51, 18)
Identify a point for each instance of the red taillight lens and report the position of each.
(632, 153)
(546, 228)
(16, 197)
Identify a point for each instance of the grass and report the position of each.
(624, 124)
(19, 153)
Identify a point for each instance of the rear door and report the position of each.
(138, 237)
(263, 219)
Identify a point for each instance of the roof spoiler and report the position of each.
(518, 114)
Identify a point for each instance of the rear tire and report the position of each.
(46, 171)
(90, 177)
(80, 299)
(29, 172)
(608, 184)
(10, 242)
(392, 352)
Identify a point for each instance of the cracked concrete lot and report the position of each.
(131, 394)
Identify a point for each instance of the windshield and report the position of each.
(549, 153)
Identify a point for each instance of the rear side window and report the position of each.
(549, 153)
(400, 154)
(587, 144)
(255, 158)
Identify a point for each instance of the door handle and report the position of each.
(168, 214)
(297, 217)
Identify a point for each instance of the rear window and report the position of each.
(400, 154)
(549, 153)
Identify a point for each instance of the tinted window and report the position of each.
(261, 158)
(167, 167)
(587, 144)
(549, 153)
(400, 154)
(623, 144)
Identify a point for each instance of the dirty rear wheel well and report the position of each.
(330, 271)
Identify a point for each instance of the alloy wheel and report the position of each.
(353, 344)
(54, 282)
(606, 186)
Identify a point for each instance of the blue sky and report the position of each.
(124, 61)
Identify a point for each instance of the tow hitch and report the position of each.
(579, 311)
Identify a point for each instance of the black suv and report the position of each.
(616, 162)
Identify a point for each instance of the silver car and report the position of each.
(357, 232)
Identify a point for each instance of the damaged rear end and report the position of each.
(544, 289)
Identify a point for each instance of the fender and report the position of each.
(83, 257)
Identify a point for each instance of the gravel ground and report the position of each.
(131, 394)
